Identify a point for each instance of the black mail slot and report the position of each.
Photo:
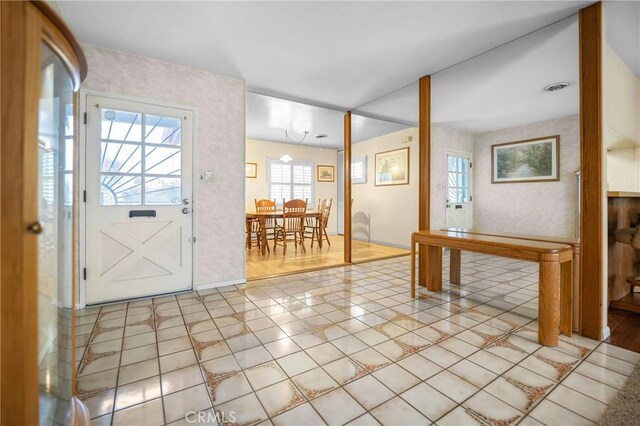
(458, 206)
(142, 213)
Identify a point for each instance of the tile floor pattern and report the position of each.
(345, 346)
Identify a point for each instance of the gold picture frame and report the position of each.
(250, 170)
(325, 173)
(392, 167)
(529, 160)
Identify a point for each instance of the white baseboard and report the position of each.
(220, 284)
(606, 333)
(80, 306)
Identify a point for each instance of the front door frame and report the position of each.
(82, 173)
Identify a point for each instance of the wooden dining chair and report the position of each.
(292, 228)
(253, 233)
(270, 224)
(314, 224)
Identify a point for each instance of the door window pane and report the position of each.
(120, 190)
(130, 157)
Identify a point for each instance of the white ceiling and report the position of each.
(504, 88)
(339, 54)
(498, 89)
(268, 118)
(622, 28)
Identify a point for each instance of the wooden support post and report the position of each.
(424, 142)
(454, 266)
(347, 187)
(591, 165)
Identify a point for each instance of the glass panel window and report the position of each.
(162, 130)
(458, 180)
(160, 160)
(120, 190)
(163, 190)
(130, 157)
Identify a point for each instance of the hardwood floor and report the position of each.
(625, 329)
(275, 263)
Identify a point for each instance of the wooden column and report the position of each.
(424, 132)
(347, 187)
(21, 39)
(591, 194)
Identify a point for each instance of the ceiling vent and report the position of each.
(555, 87)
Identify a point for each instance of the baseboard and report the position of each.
(382, 243)
(606, 333)
(220, 284)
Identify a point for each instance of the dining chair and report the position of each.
(292, 228)
(314, 224)
(270, 223)
(253, 233)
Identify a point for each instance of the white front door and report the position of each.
(138, 200)
(459, 202)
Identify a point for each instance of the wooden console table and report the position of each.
(575, 246)
(555, 266)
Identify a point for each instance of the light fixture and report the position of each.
(286, 135)
(286, 157)
(555, 87)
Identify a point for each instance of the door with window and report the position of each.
(139, 206)
(459, 202)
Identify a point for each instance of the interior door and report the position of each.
(138, 200)
(459, 203)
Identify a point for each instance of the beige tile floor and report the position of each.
(344, 346)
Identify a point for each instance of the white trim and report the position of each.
(83, 95)
(208, 286)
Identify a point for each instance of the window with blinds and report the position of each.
(359, 169)
(290, 180)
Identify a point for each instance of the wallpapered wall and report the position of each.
(442, 141)
(543, 208)
(219, 104)
(623, 169)
(386, 214)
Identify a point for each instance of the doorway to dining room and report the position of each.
(291, 153)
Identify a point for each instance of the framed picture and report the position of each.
(532, 160)
(326, 174)
(392, 167)
(251, 170)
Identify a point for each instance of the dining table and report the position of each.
(262, 217)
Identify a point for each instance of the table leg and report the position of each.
(319, 223)
(434, 268)
(549, 303)
(566, 285)
(263, 235)
(454, 266)
(413, 268)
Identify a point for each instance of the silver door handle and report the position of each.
(186, 210)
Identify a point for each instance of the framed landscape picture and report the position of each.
(392, 167)
(251, 170)
(532, 160)
(326, 174)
